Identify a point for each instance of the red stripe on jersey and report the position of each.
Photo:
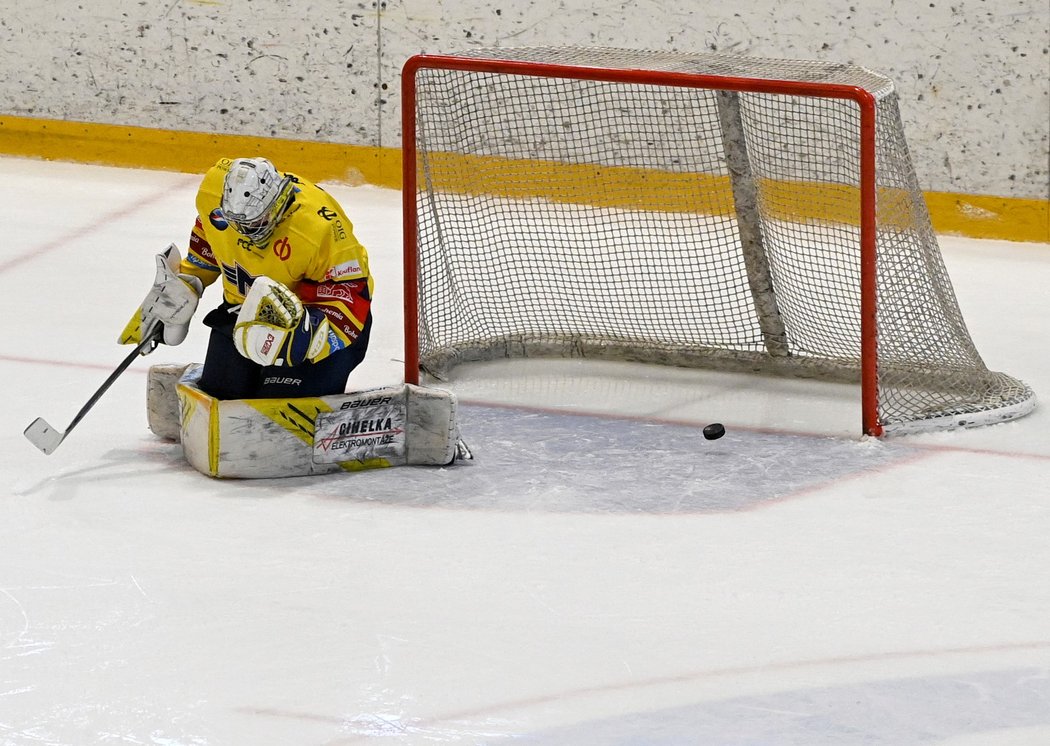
(340, 322)
(349, 297)
(200, 247)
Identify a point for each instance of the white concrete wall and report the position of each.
(972, 74)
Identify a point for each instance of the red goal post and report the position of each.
(782, 192)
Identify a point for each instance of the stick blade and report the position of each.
(43, 436)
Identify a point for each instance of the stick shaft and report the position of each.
(149, 341)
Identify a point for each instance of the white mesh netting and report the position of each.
(684, 225)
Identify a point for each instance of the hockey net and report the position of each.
(698, 210)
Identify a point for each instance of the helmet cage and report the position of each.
(254, 198)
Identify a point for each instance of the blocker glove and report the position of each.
(274, 328)
(170, 303)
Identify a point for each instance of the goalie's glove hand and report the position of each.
(274, 328)
(170, 303)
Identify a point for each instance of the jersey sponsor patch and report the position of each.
(218, 220)
(334, 342)
(200, 253)
(351, 268)
(339, 321)
(338, 290)
(282, 248)
(196, 262)
(338, 231)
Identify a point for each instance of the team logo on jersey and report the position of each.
(282, 249)
(218, 220)
(238, 277)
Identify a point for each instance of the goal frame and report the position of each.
(866, 143)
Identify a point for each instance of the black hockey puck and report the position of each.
(714, 431)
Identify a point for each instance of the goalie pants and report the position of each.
(229, 375)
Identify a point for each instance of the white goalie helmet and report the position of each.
(254, 197)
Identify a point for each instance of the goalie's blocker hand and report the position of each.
(274, 328)
(169, 304)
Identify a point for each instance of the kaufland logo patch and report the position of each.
(346, 269)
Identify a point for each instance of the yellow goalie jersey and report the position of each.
(313, 251)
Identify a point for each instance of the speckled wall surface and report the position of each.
(972, 74)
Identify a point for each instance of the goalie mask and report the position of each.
(254, 198)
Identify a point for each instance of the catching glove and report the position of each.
(274, 328)
(170, 303)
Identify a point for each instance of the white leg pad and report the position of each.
(264, 438)
(162, 400)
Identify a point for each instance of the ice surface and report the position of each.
(600, 574)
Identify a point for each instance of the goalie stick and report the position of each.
(47, 438)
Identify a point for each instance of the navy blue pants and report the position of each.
(229, 375)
